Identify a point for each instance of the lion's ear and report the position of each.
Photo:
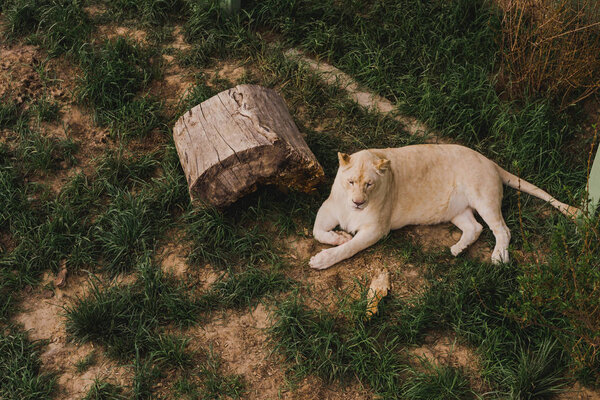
(381, 165)
(344, 159)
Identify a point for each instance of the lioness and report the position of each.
(382, 189)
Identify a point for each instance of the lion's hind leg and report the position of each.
(492, 216)
(471, 229)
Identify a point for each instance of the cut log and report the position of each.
(239, 138)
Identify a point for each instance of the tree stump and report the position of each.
(239, 138)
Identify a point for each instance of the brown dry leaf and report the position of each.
(379, 288)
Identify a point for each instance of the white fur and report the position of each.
(422, 184)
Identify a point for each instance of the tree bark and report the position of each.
(239, 138)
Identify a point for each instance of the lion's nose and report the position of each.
(358, 203)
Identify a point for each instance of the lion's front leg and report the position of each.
(324, 225)
(362, 240)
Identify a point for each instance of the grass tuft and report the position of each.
(243, 288)
(436, 383)
(102, 390)
(126, 318)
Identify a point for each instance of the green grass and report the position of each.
(436, 383)
(127, 318)
(118, 167)
(128, 228)
(114, 75)
(102, 390)
(61, 26)
(151, 13)
(437, 62)
(20, 375)
(9, 112)
(43, 153)
(22, 17)
(86, 362)
(208, 382)
(242, 289)
(46, 110)
(216, 239)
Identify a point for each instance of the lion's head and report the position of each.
(361, 176)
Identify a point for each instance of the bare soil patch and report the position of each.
(42, 316)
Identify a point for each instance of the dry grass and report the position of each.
(550, 48)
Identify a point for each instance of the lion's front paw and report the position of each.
(342, 237)
(322, 260)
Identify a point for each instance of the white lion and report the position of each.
(377, 190)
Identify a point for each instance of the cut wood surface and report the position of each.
(239, 138)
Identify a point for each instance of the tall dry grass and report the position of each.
(550, 48)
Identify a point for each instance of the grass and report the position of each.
(435, 60)
(207, 382)
(113, 76)
(436, 382)
(86, 362)
(43, 153)
(61, 26)
(242, 289)
(102, 390)
(217, 240)
(128, 228)
(126, 318)
(20, 375)
(9, 112)
(46, 110)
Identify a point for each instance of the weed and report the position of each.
(170, 351)
(134, 118)
(207, 382)
(543, 43)
(116, 167)
(214, 33)
(217, 385)
(337, 348)
(145, 375)
(20, 375)
(566, 282)
(537, 374)
(151, 12)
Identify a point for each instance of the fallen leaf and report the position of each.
(379, 288)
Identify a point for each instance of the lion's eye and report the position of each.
(368, 184)
(351, 183)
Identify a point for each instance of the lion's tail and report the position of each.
(524, 186)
